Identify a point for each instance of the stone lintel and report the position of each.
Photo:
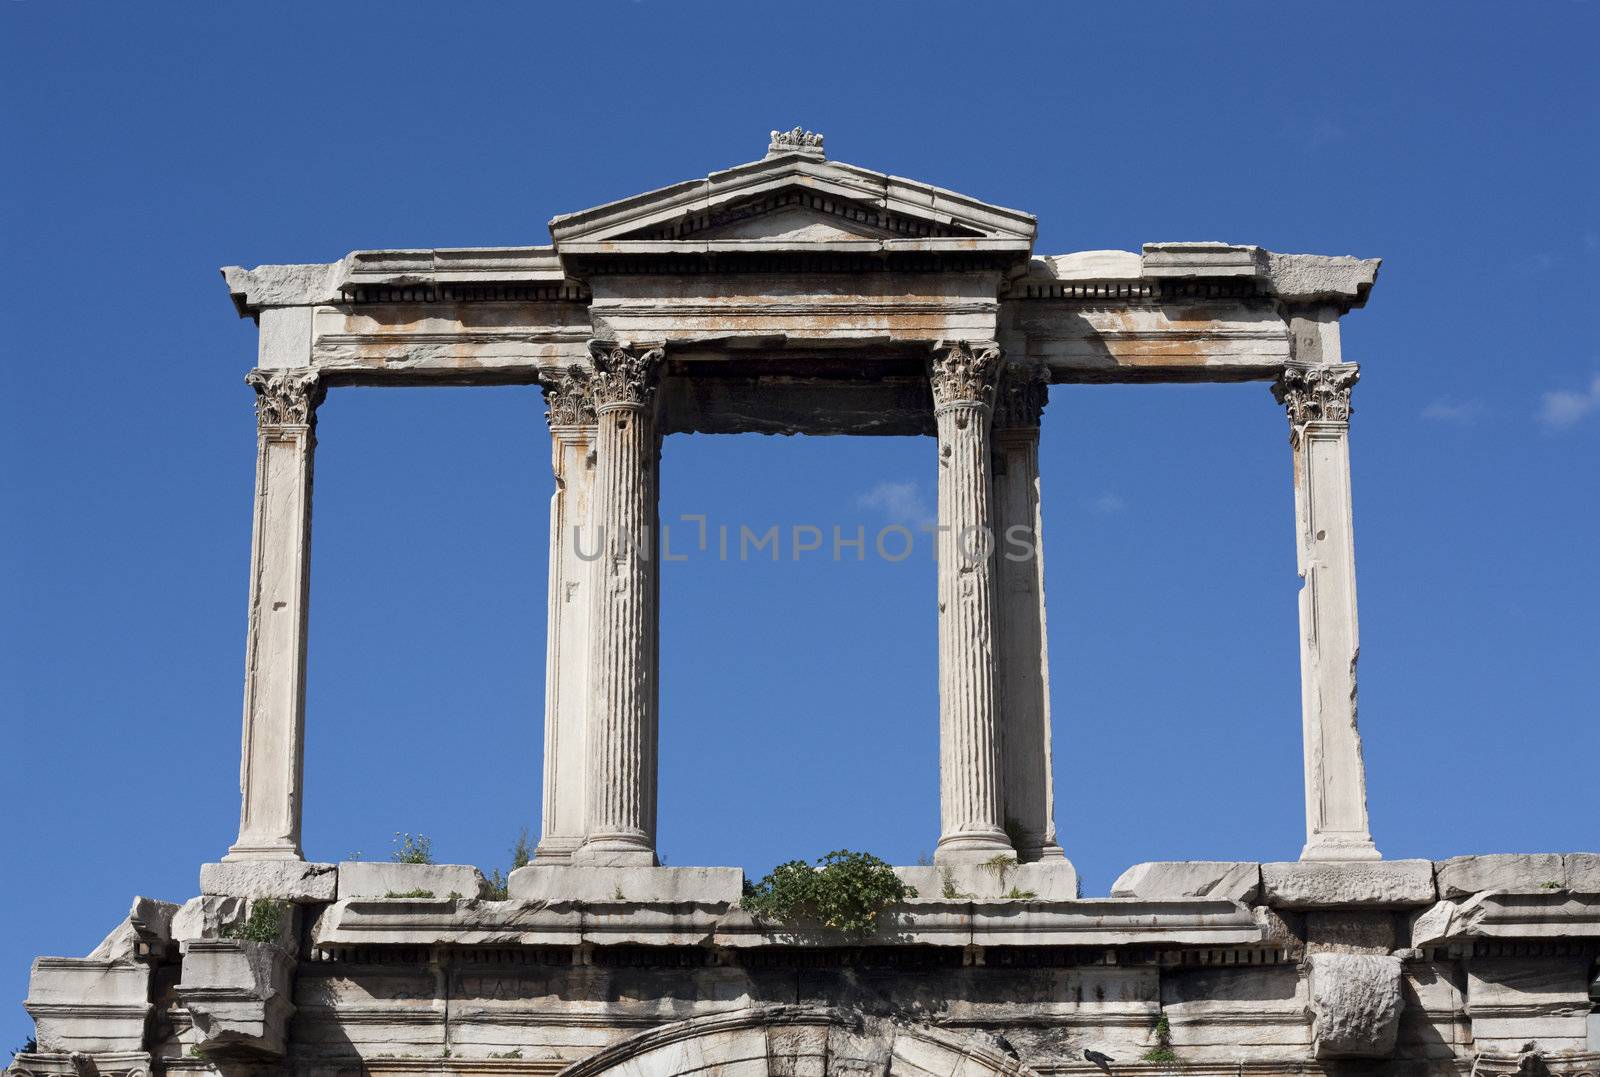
(285, 880)
(1391, 884)
(598, 883)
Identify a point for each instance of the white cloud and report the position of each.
(1107, 504)
(902, 502)
(1454, 411)
(1566, 407)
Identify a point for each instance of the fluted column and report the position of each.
(971, 797)
(570, 412)
(271, 754)
(621, 733)
(1318, 401)
(1022, 654)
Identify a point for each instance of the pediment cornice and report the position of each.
(793, 202)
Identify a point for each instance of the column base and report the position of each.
(973, 847)
(556, 850)
(1340, 847)
(242, 850)
(1032, 854)
(617, 851)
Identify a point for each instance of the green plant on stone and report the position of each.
(951, 891)
(412, 849)
(1001, 866)
(1162, 1051)
(409, 894)
(517, 1053)
(500, 881)
(262, 925)
(1016, 894)
(845, 891)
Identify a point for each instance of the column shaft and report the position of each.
(270, 768)
(621, 732)
(1023, 660)
(1318, 401)
(971, 798)
(573, 555)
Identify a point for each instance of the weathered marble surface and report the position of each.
(1329, 964)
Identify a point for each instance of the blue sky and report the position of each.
(149, 144)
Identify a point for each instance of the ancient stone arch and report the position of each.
(798, 1041)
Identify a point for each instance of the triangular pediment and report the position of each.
(801, 214)
(794, 202)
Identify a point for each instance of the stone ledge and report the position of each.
(1462, 876)
(595, 883)
(1230, 880)
(284, 880)
(378, 879)
(1383, 884)
(1103, 922)
(1041, 880)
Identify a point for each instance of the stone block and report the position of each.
(360, 879)
(1233, 880)
(1582, 872)
(1042, 880)
(206, 917)
(239, 995)
(285, 880)
(1202, 259)
(1355, 1005)
(1389, 884)
(1517, 1000)
(594, 883)
(1344, 931)
(88, 1005)
(1463, 876)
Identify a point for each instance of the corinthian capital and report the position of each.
(623, 376)
(964, 372)
(1315, 394)
(1019, 403)
(286, 397)
(569, 397)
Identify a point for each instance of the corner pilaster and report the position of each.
(569, 400)
(1317, 398)
(271, 763)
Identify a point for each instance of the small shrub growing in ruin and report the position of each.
(262, 925)
(409, 894)
(1162, 1051)
(500, 881)
(412, 849)
(845, 891)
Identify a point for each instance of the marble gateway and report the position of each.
(797, 294)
